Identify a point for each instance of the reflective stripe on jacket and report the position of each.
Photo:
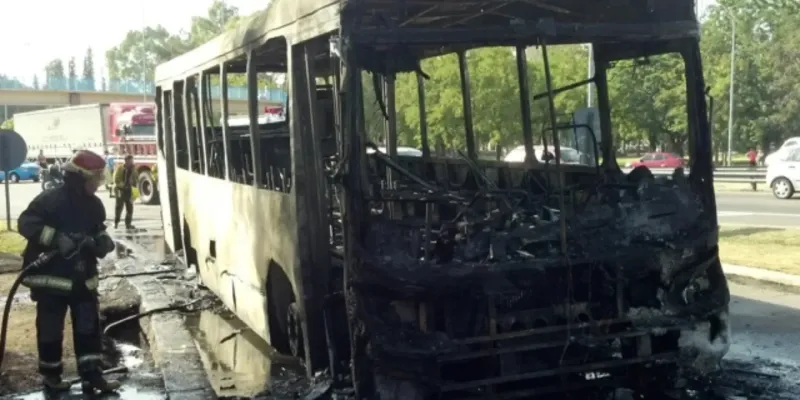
(56, 282)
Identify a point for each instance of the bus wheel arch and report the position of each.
(280, 303)
(190, 253)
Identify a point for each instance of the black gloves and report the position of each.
(65, 244)
(103, 244)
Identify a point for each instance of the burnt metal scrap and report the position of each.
(489, 282)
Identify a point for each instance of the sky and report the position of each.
(42, 30)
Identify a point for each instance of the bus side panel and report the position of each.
(250, 229)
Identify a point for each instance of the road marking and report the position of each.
(733, 213)
(760, 214)
(781, 227)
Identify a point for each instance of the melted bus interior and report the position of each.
(472, 278)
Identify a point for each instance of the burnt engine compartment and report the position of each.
(470, 294)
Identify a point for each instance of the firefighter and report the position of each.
(124, 181)
(69, 219)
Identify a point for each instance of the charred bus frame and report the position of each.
(318, 232)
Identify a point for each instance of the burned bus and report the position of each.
(436, 276)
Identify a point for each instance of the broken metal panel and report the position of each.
(355, 230)
(204, 118)
(525, 104)
(423, 120)
(390, 126)
(466, 101)
(189, 124)
(610, 164)
(476, 262)
(252, 112)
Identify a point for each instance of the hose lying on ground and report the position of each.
(115, 370)
(149, 312)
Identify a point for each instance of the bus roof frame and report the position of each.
(426, 27)
(294, 20)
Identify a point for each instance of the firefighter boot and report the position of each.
(54, 386)
(96, 382)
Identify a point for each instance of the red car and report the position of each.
(660, 160)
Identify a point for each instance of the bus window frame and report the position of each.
(225, 112)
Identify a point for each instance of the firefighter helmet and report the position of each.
(89, 165)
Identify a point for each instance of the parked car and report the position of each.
(28, 171)
(783, 175)
(401, 151)
(659, 160)
(783, 151)
(568, 155)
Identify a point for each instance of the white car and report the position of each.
(401, 151)
(783, 176)
(568, 154)
(781, 153)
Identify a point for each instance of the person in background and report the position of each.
(752, 157)
(110, 160)
(68, 220)
(752, 160)
(42, 160)
(124, 181)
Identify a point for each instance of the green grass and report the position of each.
(11, 242)
(769, 248)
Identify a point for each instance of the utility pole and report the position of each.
(144, 58)
(730, 95)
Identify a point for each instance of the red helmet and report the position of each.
(89, 165)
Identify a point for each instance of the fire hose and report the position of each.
(41, 260)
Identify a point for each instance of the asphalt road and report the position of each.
(765, 323)
(757, 209)
(146, 217)
(765, 330)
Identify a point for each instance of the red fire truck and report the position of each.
(122, 128)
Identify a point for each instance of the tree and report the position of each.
(11, 83)
(73, 75)
(88, 69)
(220, 16)
(141, 51)
(36, 82)
(54, 74)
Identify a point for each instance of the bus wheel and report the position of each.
(294, 331)
(147, 188)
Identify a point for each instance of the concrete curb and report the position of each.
(170, 342)
(761, 274)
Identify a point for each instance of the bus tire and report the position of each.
(148, 191)
(294, 331)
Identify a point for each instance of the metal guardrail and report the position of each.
(752, 176)
(131, 87)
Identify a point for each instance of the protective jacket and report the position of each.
(124, 178)
(66, 210)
